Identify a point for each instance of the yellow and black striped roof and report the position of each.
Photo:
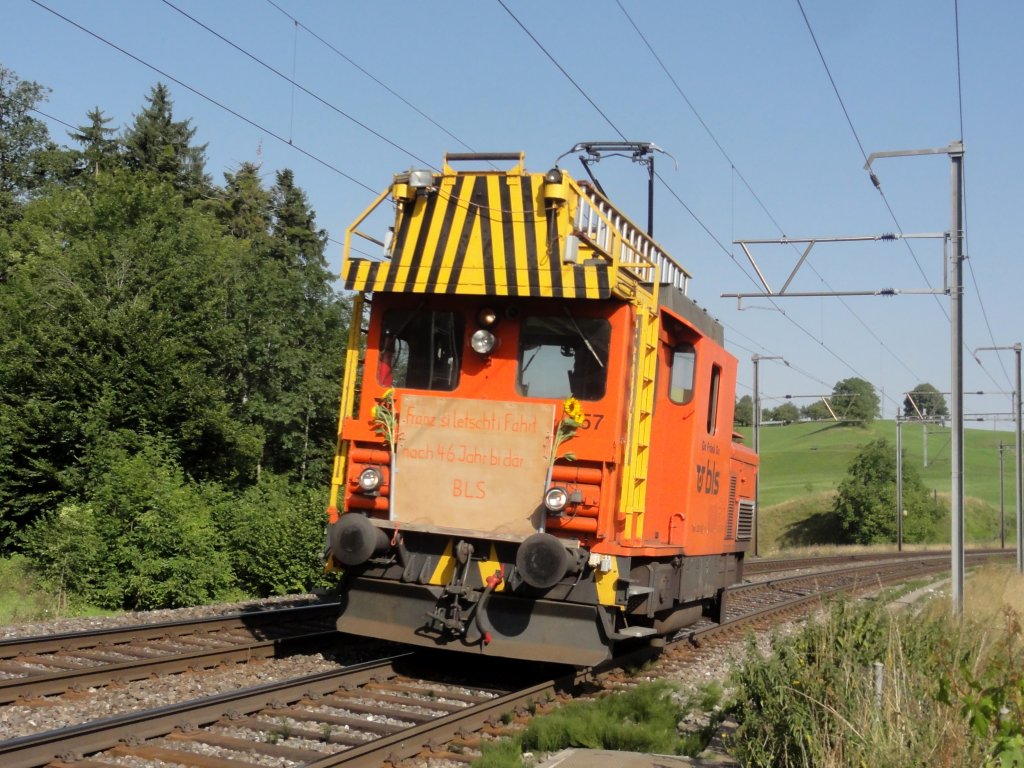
(479, 233)
(507, 233)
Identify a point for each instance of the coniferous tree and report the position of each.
(316, 327)
(244, 206)
(100, 149)
(157, 142)
(286, 323)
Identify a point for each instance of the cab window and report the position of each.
(716, 375)
(419, 349)
(680, 384)
(563, 356)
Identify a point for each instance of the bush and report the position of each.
(865, 504)
(68, 552)
(275, 531)
(143, 538)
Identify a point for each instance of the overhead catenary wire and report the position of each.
(864, 154)
(970, 260)
(754, 194)
(301, 87)
(674, 194)
(55, 119)
(878, 185)
(371, 76)
(210, 99)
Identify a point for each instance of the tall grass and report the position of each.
(26, 598)
(868, 687)
(22, 598)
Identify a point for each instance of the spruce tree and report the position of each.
(100, 149)
(157, 142)
(243, 206)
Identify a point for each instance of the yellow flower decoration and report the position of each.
(572, 419)
(573, 411)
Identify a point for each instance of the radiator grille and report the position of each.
(730, 521)
(746, 524)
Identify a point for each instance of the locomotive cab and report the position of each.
(535, 457)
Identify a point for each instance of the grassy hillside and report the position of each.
(803, 464)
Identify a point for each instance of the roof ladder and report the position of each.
(638, 445)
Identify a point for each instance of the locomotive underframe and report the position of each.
(465, 593)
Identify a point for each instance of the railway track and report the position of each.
(775, 565)
(52, 664)
(392, 709)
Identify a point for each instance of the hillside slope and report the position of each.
(802, 465)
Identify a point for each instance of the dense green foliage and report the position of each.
(743, 416)
(786, 413)
(643, 719)
(924, 402)
(855, 400)
(169, 359)
(865, 504)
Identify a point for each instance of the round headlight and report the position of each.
(556, 499)
(487, 317)
(482, 341)
(370, 479)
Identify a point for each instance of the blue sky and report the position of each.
(751, 71)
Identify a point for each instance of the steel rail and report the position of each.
(42, 748)
(16, 688)
(38, 750)
(273, 632)
(793, 563)
(67, 641)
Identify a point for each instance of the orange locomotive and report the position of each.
(536, 457)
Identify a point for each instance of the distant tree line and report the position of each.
(170, 352)
(852, 400)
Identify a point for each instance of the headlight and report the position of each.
(487, 317)
(370, 479)
(482, 341)
(556, 499)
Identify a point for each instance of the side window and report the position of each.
(562, 356)
(680, 383)
(716, 375)
(419, 349)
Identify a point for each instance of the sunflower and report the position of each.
(573, 411)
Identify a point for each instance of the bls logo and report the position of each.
(707, 478)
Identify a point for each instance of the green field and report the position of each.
(803, 464)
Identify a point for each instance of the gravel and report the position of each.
(712, 664)
(85, 624)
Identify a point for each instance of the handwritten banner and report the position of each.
(473, 464)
